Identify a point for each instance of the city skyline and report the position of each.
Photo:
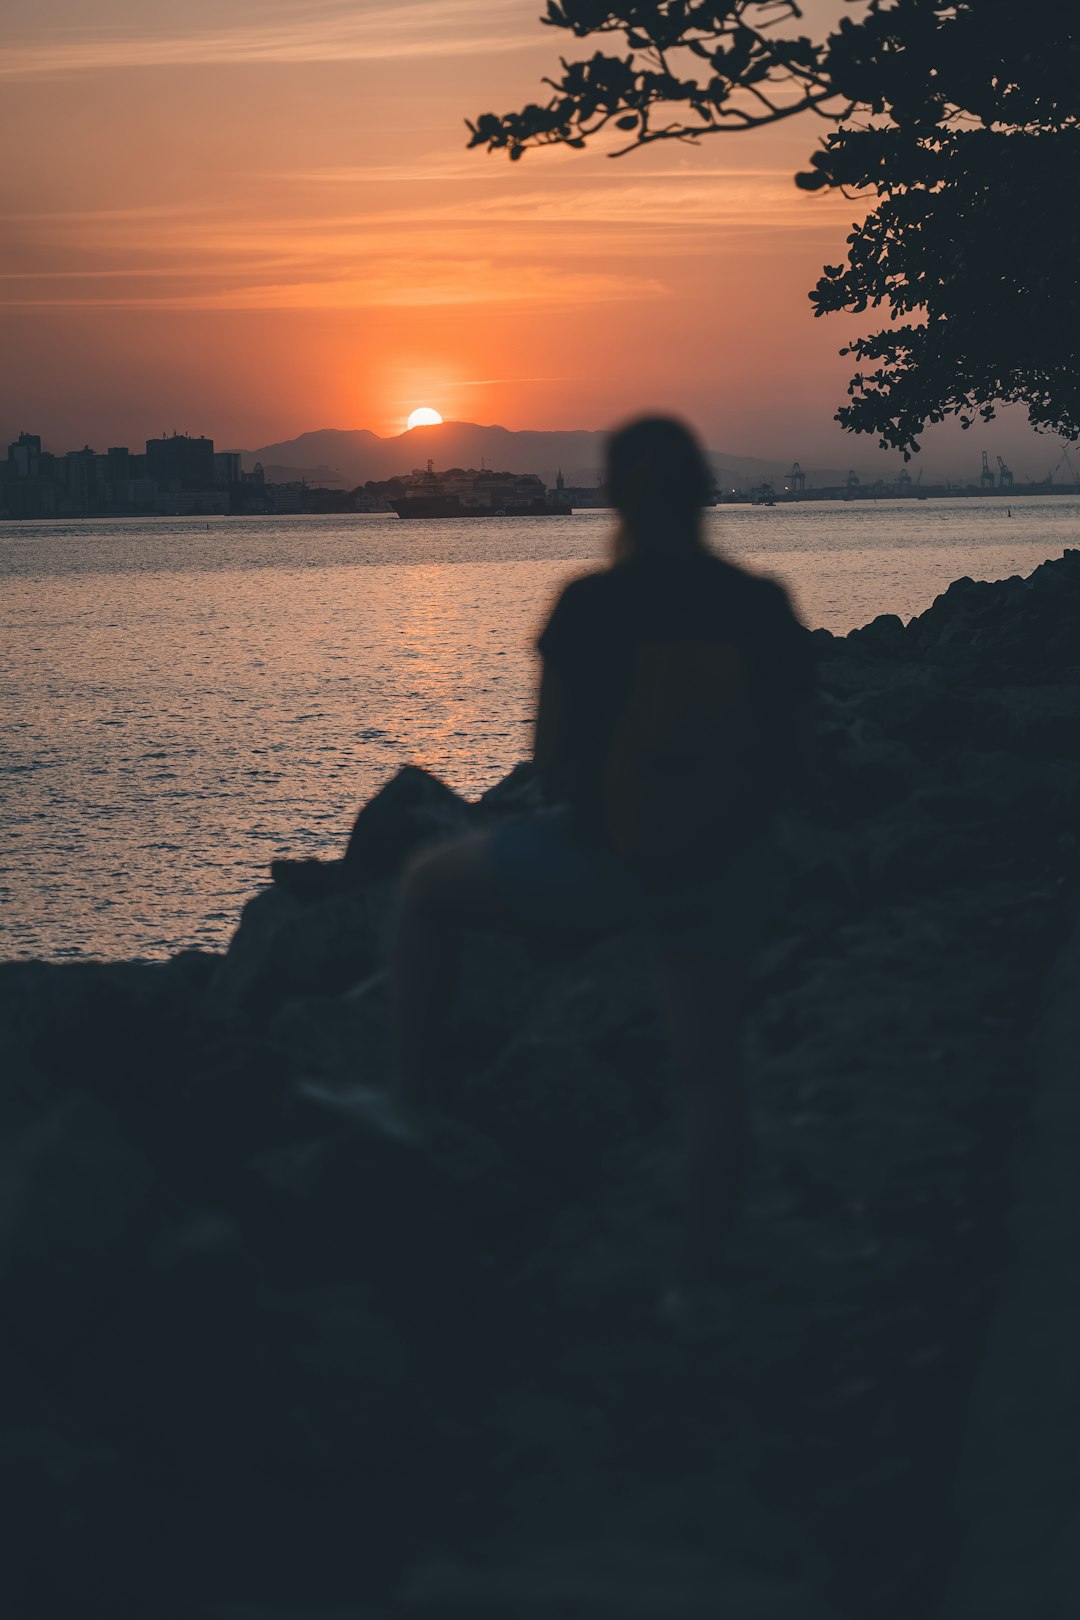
(179, 474)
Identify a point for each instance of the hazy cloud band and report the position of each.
(424, 28)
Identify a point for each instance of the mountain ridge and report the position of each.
(351, 456)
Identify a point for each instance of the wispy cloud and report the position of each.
(277, 244)
(500, 382)
(622, 249)
(760, 202)
(474, 166)
(387, 283)
(331, 33)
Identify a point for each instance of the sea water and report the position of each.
(183, 701)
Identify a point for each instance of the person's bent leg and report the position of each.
(443, 891)
(703, 998)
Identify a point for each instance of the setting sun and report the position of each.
(424, 416)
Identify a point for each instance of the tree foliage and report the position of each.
(958, 122)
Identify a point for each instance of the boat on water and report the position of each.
(465, 493)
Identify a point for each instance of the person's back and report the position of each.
(684, 688)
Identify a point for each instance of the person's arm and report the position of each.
(786, 682)
(557, 645)
(549, 733)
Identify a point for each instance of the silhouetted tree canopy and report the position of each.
(958, 119)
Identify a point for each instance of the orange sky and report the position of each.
(252, 219)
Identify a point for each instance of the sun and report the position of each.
(424, 416)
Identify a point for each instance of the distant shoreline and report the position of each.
(859, 496)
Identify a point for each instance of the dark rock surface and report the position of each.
(266, 1355)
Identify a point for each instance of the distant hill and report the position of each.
(349, 456)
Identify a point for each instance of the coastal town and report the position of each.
(180, 475)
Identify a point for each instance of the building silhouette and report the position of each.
(180, 462)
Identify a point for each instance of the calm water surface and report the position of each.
(179, 705)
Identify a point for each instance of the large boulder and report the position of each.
(412, 810)
(286, 947)
(517, 794)
(1008, 631)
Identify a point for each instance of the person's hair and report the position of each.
(658, 480)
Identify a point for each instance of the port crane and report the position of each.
(1005, 476)
(986, 477)
(1067, 460)
(796, 479)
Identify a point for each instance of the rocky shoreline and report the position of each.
(266, 1358)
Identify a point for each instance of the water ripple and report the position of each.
(220, 652)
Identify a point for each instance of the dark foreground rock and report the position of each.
(263, 1355)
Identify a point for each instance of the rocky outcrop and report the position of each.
(262, 1339)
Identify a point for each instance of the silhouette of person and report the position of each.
(673, 711)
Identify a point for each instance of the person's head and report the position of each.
(658, 480)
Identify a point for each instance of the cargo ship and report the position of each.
(463, 492)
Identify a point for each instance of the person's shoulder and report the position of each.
(585, 596)
(574, 615)
(585, 589)
(773, 600)
(758, 595)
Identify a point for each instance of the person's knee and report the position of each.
(439, 881)
(422, 885)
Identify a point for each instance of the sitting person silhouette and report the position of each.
(673, 709)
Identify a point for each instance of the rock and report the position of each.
(285, 948)
(312, 879)
(818, 867)
(1020, 628)
(99, 1026)
(516, 794)
(883, 636)
(344, 1038)
(412, 810)
(1039, 722)
(930, 714)
(405, 1202)
(864, 769)
(196, 968)
(74, 1200)
(552, 1107)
